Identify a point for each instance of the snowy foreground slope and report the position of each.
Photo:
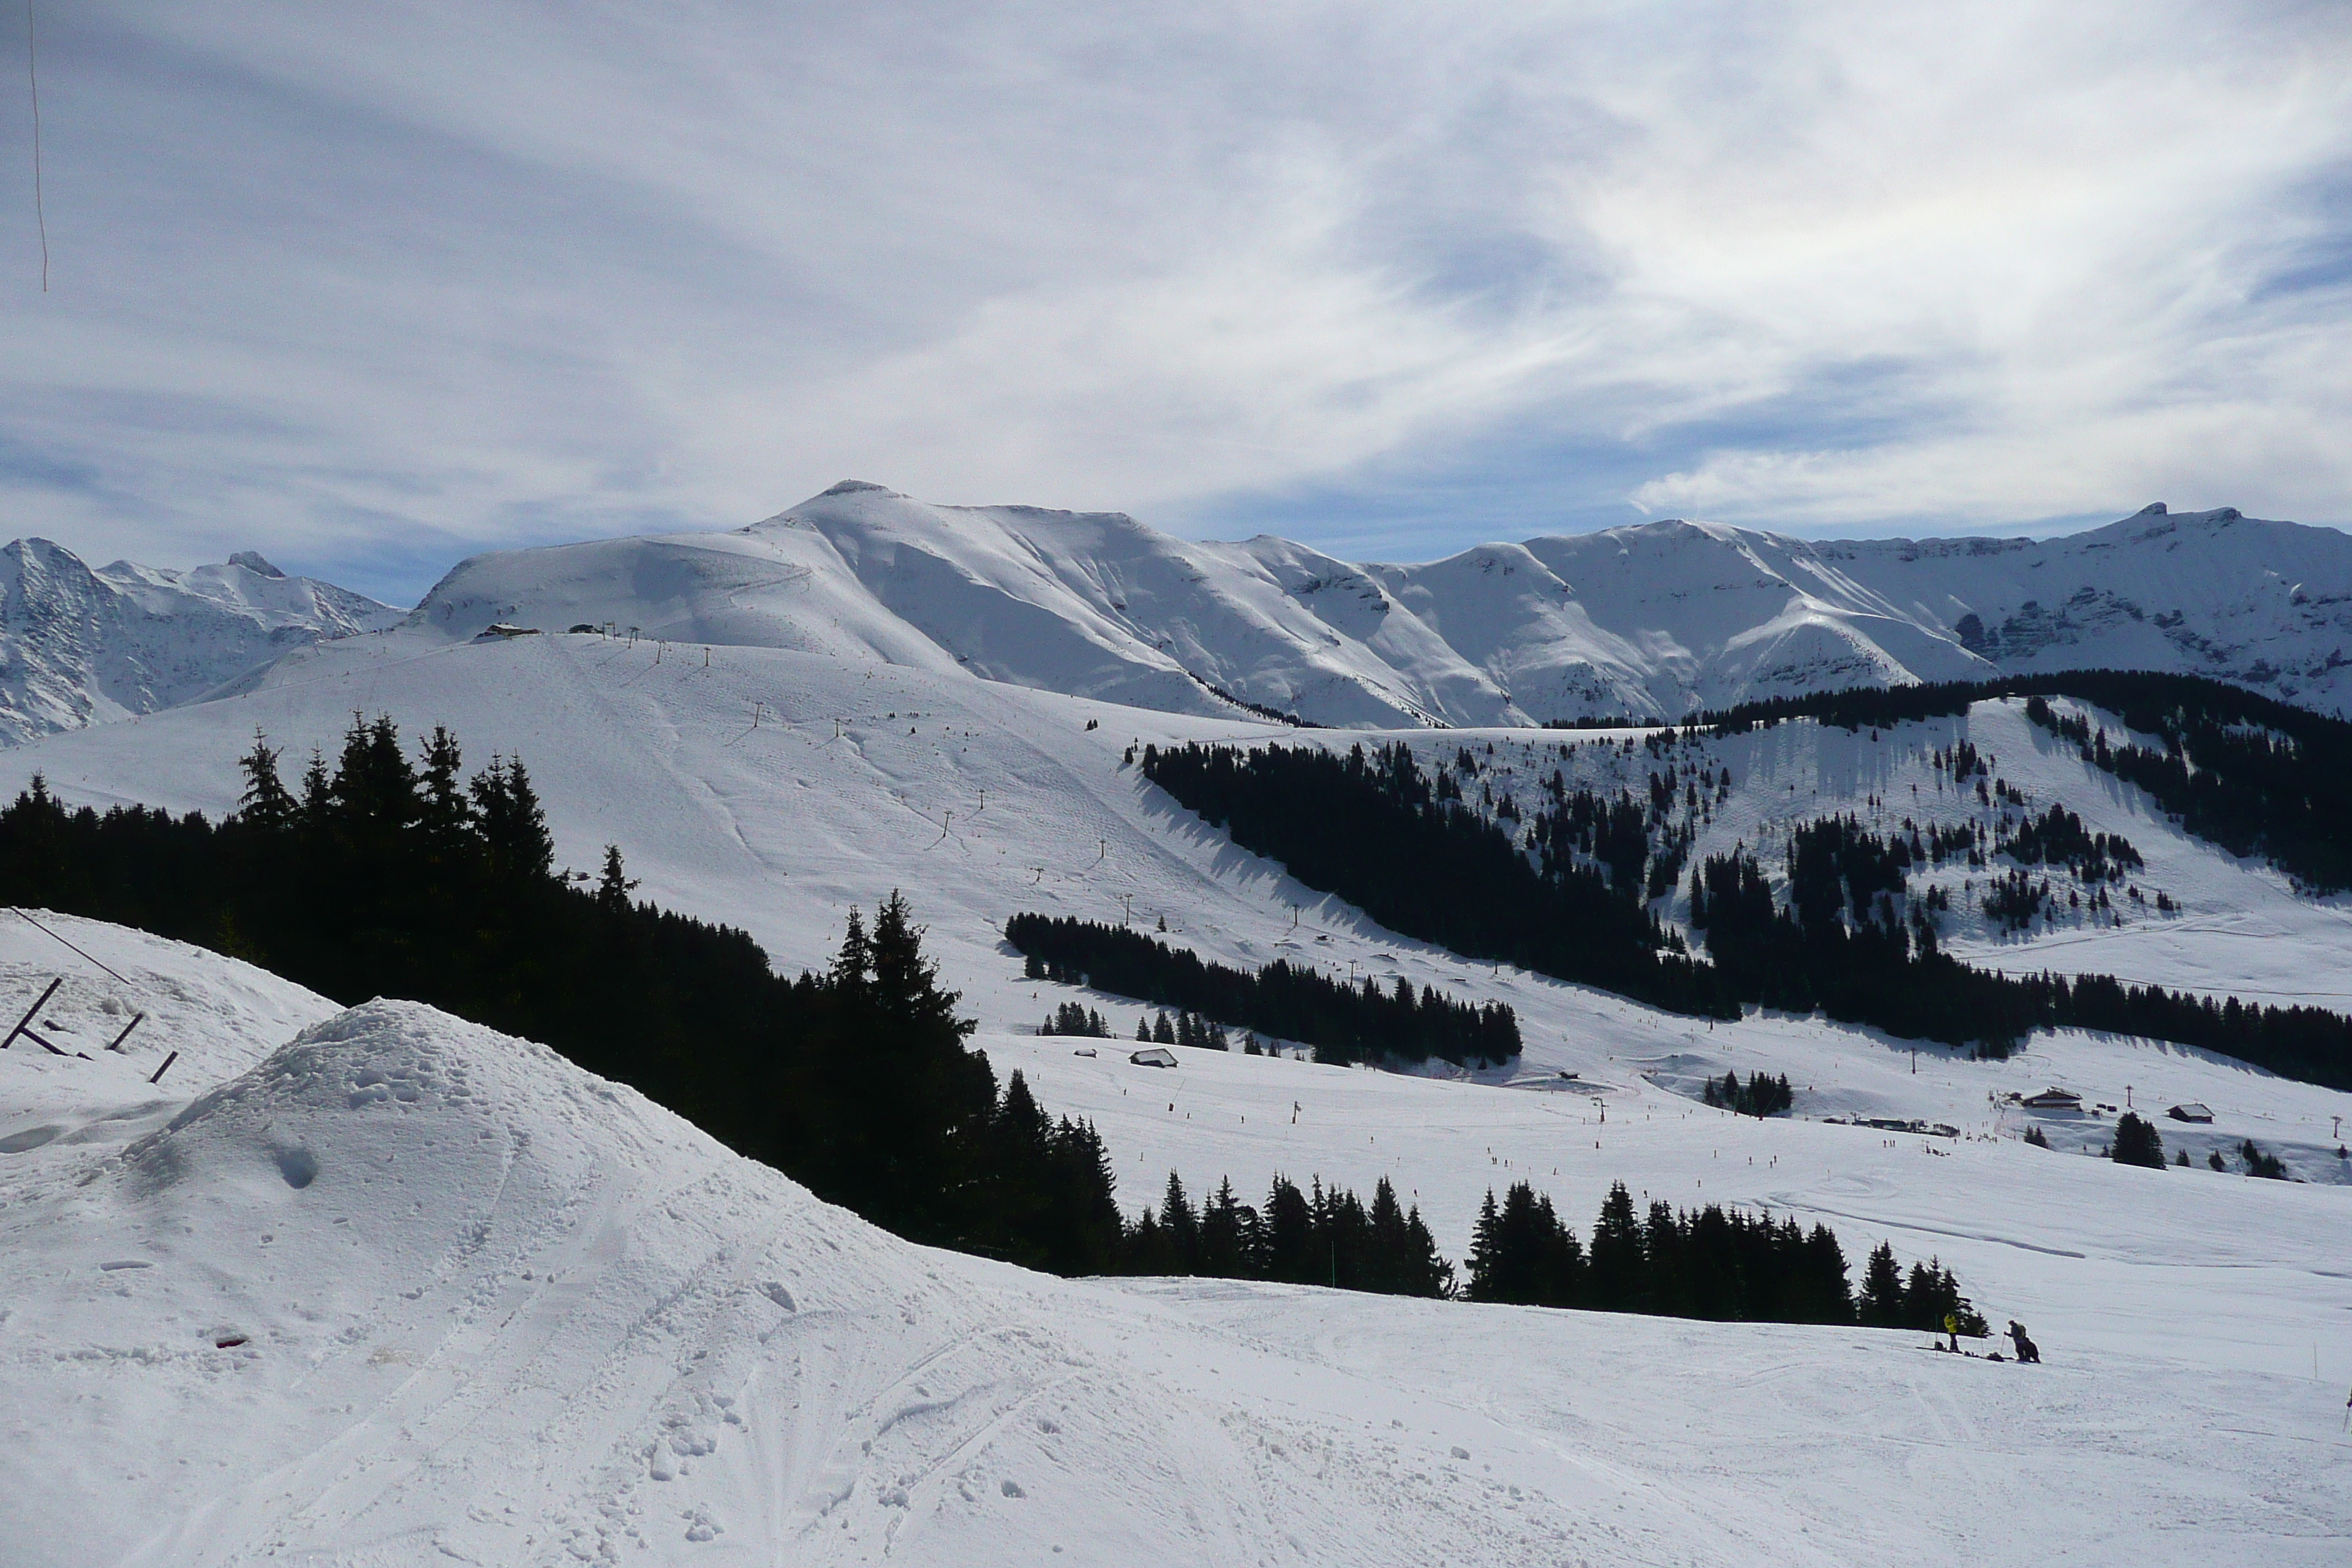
(1650, 620)
(404, 1290)
(79, 646)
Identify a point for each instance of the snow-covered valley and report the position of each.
(507, 1312)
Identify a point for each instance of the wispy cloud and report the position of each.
(366, 286)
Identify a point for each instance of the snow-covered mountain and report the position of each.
(82, 646)
(1652, 620)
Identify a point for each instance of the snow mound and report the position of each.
(410, 1287)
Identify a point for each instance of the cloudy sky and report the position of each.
(370, 285)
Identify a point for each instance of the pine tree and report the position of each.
(1183, 1227)
(375, 787)
(1391, 1263)
(318, 791)
(906, 984)
(1882, 1302)
(1824, 1296)
(853, 966)
(1486, 1260)
(1288, 1234)
(613, 888)
(511, 822)
(266, 803)
(1227, 1242)
(447, 811)
(1615, 1274)
(1663, 1286)
(1427, 1273)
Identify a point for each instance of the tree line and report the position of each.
(1759, 1096)
(1713, 1263)
(1324, 1235)
(1866, 964)
(1344, 1022)
(1371, 827)
(2246, 771)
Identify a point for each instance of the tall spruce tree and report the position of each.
(1615, 1274)
(1881, 1304)
(266, 803)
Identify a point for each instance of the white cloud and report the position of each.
(371, 284)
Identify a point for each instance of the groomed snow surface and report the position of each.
(512, 1314)
(406, 1290)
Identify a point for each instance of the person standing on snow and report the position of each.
(2026, 1349)
(1952, 1328)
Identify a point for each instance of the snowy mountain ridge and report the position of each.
(81, 646)
(1652, 620)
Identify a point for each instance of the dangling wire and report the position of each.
(32, 73)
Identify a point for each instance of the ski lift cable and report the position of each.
(53, 936)
(31, 71)
(33, 75)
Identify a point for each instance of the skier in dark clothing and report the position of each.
(2026, 1349)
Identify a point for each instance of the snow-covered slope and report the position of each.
(82, 646)
(982, 798)
(405, 1290)
(1649, 621)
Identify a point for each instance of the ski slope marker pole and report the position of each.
(165, 1068)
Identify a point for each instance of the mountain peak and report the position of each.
(80, 646)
